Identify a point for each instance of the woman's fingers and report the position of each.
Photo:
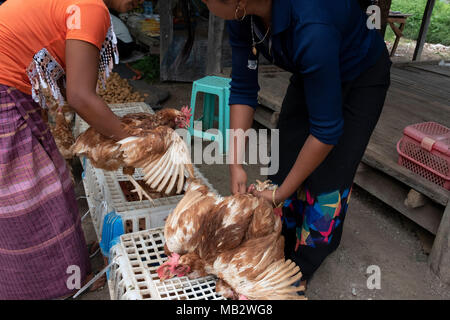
(234, 188)
(252, 190)
(263, 194)
(238, 180)
(242, 188)
(238, 187)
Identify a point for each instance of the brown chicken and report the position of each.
(153, 145)
(63, 135)
(58, 119)
(236, 238)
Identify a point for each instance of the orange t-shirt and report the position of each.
(28, 26)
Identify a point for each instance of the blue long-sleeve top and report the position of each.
(326, 42)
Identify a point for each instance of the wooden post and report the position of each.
(215, 39)
(166, 32)
(385, 6)
(423, 29)
(440, 254)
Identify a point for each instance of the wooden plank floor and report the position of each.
(390, 191)
(416, 95)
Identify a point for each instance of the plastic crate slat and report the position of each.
(119, 109)
(119, 201)
(145, 253)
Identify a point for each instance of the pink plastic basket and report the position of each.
(425, 149)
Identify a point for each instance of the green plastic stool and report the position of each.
(212, 86)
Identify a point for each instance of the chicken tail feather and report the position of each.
(275, 283)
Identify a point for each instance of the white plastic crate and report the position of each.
(121, 282)
(119, 109)
(92, 186)
(134, 275)
(105, 194)
(118, 201)
(94, 196)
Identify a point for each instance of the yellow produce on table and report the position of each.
(150, 27)
(118, 90)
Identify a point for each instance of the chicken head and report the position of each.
(183, 119)
(172, 268)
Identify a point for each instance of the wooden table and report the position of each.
(400, 18)
(140, 37)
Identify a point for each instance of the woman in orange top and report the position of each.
(51, 52)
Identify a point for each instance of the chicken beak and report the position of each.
(168, 269)
(182, 123)
(164, 271)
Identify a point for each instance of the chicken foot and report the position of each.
(262, 186)
(138, 189)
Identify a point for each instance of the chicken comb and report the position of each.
(170, 264)
(187, 112)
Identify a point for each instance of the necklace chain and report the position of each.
(253, 35)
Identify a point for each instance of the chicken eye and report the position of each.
(179, 268)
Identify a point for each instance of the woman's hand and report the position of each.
(310, 157)
(268, 195)
(238, 179)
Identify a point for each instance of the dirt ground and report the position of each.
(374, 234)
(405, 51)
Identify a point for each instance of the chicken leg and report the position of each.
(138, 189)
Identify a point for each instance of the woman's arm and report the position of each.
(312, 154)
(241, 117)
(320, 71)
(243, 98)
(82, 62)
